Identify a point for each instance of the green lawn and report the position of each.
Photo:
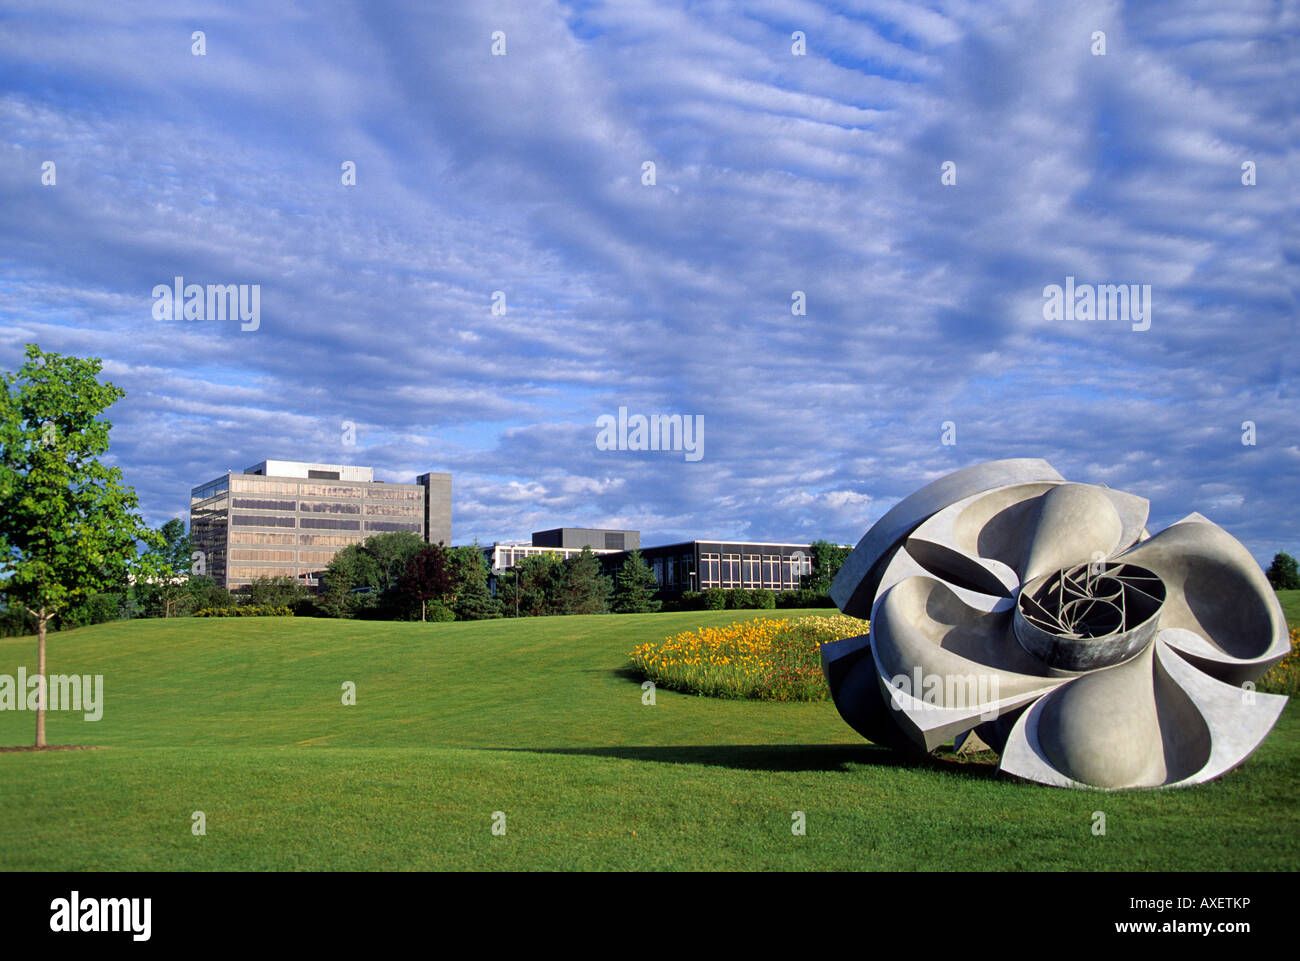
(242, 719)
(1290, 606)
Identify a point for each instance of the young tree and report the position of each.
(1283, 573)
(634, 590)
(68, 526)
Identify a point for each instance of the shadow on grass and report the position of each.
(779, 757)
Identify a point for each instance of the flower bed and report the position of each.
(768, 659)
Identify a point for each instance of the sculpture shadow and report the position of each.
(776, 757)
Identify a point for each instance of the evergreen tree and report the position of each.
(634, 590)
(582, 588)
(471, 600)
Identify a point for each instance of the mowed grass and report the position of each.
(1290, 606)
(539, 719)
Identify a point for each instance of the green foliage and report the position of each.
(803, 598)
(826, 561)
(68, 527)
(1283, 573)
(582, 588)
(713, 599)
(361, 578)
(471, 599)
(246, 610)
(279, 591)
(436, 611)
(427, 577)
(635, 588)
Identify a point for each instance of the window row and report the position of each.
(752, 570)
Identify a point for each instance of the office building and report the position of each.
(562, 542)
(289, 518)
(696, 565)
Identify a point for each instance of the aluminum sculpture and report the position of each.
(1041, 616)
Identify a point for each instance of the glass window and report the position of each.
(256, 537)
(772, 571)
(326, 507)
(263, 520)
(256, 555)
(254, 504)
(751, 570)
(329, 540)
(389, 526)
(708, 570)
(730, 570)
(329, 523)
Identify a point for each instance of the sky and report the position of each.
(502, 273)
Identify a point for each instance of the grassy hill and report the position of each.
(243, 720)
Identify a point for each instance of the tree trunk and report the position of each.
(41, 621)
(421, 611)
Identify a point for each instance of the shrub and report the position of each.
(438, 611)
(803, 599)
(737, 598)
(762, 600)
(713, 599)
(246, 610)
(770, 659)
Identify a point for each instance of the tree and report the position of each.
(470, 599)
(634, 590)
(164, 585)
(364, 576)
(1282, 573)
(279, 591)
(826, 561)
(68, 527)
(532, 585)
(581, 587)
(427, 577)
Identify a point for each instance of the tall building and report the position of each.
(289, 518)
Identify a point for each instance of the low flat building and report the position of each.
(563, 542)
(696, 565)
(289, 518)
(598, 539)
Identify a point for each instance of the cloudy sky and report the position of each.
(774, 172)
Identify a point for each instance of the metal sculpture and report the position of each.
(1041, 616)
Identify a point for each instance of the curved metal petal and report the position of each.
(854, 587)
(946, 667)
(1221, 614)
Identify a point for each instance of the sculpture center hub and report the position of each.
(1090, 615)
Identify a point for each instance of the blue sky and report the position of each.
(774, 173)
